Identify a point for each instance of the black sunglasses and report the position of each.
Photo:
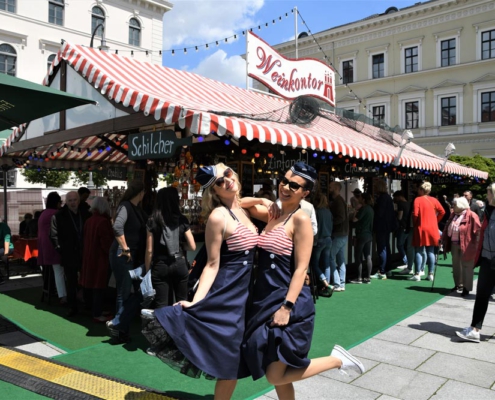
(294, 186)
(226, 174)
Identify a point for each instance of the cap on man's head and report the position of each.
(305, 171)
(357, 191)
(206, 176)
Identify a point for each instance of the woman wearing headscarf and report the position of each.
(460, 237)
(281, 317)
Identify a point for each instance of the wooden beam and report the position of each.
(115, 125)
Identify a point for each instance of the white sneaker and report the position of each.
(406, 271)
(148, 313)
(430, 277)
(348, 361)
(469, 334)
(402, 266)
(414, 278)
(421, 273)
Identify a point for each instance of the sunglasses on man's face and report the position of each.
(294, 186)
(226, 174)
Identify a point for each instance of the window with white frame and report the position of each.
(8, 59)
(448, 52)
(7, 5)
(488, 44)
(347, 71)
(56, 12)
(411, 55)
(448, 110)
(134, 32)
(378, 114)
(448, 105)
(378, 65)
(412, 114)
(488, 106)
(97, 18)
(411, 59)
(482, 100)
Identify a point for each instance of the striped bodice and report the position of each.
(242, 239)
(276, 241)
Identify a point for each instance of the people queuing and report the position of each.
(363, 224)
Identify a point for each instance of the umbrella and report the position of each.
(22, 101)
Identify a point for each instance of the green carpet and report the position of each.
(348, 318)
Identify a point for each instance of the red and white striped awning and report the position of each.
(191, 100)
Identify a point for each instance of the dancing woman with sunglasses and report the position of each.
(204, 336)
(280, 320)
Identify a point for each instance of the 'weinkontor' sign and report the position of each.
(289, 78)
(152, 145)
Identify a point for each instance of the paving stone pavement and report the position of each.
(418, 358)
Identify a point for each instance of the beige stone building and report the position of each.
(429, 67)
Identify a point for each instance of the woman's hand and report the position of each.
(273, 210)
(184, 304)
(126, 254)
(281, 317)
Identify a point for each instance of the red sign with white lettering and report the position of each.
(289, 78)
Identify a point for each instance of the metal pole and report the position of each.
(4, 195)
(247, 58)
(295, 31)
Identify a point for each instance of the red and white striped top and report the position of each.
(276, 241)
(242, 239)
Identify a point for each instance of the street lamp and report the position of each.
(406, 138)
(103, 40)
(449, 150)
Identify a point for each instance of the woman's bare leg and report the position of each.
(279, 373)
(224, 389)
(285, 392)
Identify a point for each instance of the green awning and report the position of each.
(22, 101)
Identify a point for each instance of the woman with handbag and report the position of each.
(169, 237)
(460, 237)
(485, 257)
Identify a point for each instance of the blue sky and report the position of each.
(197, 22)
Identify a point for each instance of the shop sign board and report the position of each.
(289, 78)
(115, 173)
(154, 144)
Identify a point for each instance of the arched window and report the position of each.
(134, 32)
(8, 58)
(97, 17)
(56, 12)
(51, 57)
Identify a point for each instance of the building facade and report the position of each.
(31, 31)
(429, 67)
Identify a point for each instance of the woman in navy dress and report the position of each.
(204, 336)
(280, 321)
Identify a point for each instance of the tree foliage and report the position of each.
(82, 179)
(49, 178)
(478, 188)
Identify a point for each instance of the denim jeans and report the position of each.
(337, 260)
(169, 281)
(128, 303)
(401, 242)
(383, 250)
(320, 258)
(424, 254)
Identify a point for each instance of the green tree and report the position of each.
(49, 178)
(82, 178)
(478, 188)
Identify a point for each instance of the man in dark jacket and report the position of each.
(473, 204)
(66, 235)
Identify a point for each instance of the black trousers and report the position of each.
(71, 279)
(169, 279)
(486, 283)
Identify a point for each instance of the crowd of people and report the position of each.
(251, 312)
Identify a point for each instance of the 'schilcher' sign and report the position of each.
(289, 78)
(152, 145)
